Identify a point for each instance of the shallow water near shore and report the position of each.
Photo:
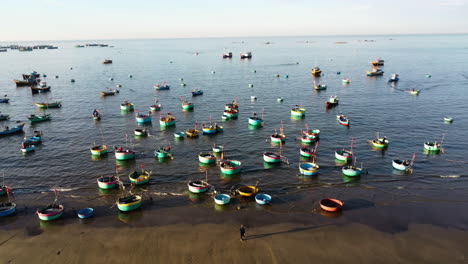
(64, 162)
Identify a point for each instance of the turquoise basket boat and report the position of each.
(351, 171)
(222, 199)
(206, 158)
(108, 182)
(141, 118)
(124, 154)
(432, 146)
(129, 203)
(198, 186)
(51, 212)
(139, 177)
(298, 111)
(308, 168)
(230, 166)
(263, 198)
(343, 155)
(271, 157)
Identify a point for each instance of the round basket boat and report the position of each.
(263, 198)
(248, 191)
(85, 213)
(222, 199)
(331, 205)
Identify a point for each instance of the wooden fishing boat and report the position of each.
(197, 92)
(50, 212)
(42, 87)
(56, 104)
(230, 166)
(163, 152)
(271, 157)
(333, 101)
(343, 120)
(432, 146)
(308, 168)
(394, 78)
(155, 107)
(218, 148)
(186, 105)
(142, 118)
(222, 199)
(7, 208)
(331, 205)
(141, 132)
(28, 82)
(447, 119)
(343, 155)
(414, 91)
(179, 135)
(162, 87)
(34, 118)
(13, 130)
(380, 142)
(4, 100)
(298, 111)
(4, 117)
(320, 86)
(232, 113)
(227, 55)
(85, 213)
(25, 148)
(263, 198)
(346, 81)
(246, 55)
(110, 92)
(254, 120)
(126, 106)
(278, 138)
(316, 72)
(107, 61)
(98, 150)
(139, 177)
(377, 62)
(122, 153)
(375, 72)
(129, 202)
(206, 158)
(351, 170)
(247, 190)
(307, 152)
(198, 186)
(108, 182)
(33, 75)
(192, 132)
(167, 120)
(36, 139)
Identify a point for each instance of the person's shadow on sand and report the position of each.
(284, 232)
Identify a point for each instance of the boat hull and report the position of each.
(98, 152)
(235, 167)
(143, 178)
(272, 158)
(50, 216)
(263, 199)
(343, 155)
(129, 206)
(255, 122)
(351, 172)
(164, 123)
(9, 211)
(399, 165)
(247, 191)
(308, 169)
(107, 185)
(206, 159)
(222, 199)
(306, 152)
(124, 155)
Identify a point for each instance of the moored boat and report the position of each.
(278, 138)
(306, 140)
(306, 152)
(343, 120)
(401, 165)
(141, 132)
(222, 199)
(163, 152)
(210, 128)
(109, 92)
(377, 62)
(247, 190)
(271, 157)
(346, 81)
(230, 166)
(107, 61)
(432, 146)
(192, 132)
(56, 104)
(414, 91)
(206, 158)
(34, 118)
(231, 106)
(98, 150)
(179, 135)
(217, 148)
(108, 182)
(331, 205)
(255, 120)
(447, 119)
(96, 115)
(298, 111)
(380, 142)
(167, 120)
(7, 208)
(42, 87)
(85, 213)
(375, 72)
(308, 168)
(333, 101)
(246, 55)
(142, 118)
(4, 117)
(129, 202)
(351, 170)
(139, 177)
(227, 55)
(231, 113)
(263, 198)
(122, 153)
(198, 186)
(316, 72)
(156, 107)
(197, 92)
(13, 130)
(126, 106)
(320, 86)
(394, 78)
(186, 105)
(343, 155)
(161, 87)
(25, 147)
(50, 212)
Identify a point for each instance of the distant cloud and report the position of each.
(361, 7)
(454, 3)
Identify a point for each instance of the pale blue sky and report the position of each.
(122, 19)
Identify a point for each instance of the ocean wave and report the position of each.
(450, 176)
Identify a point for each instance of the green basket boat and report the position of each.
(380, 142)
(206, 158)
(129, 203)
(34, 118)
(50, 212)
(230, 166)
(432, 146)
(139, 177)
(298, 111)
(351, 171)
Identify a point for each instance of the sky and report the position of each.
(132, 19)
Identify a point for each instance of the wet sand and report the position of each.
(219, 243)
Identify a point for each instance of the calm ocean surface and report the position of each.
(64, 162)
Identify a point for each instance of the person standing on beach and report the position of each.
(242, 232)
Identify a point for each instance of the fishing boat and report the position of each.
(109, 92)
(42, 87)
(139, 177)
(85, 213)
(108, 182)
(447, 119)
(298, 111)
(4, 117)
(36, 139)
(320, 86)
(142, 118)
(167, 120)
(198, 186)
(248, 190)
(55, 104)
(25, 147)
(13, 130)
(231, 113)
(210, 128)
(231, 106)
(155, 107)
(278, 137)
(312, 133)
(161, 87)
(344, 155)
(206, 158)
(163, 152)
(394, 78)
(27, 82)
(34, 118)
(414, 91)
(192, 132)
(432, 146)
(246, 55)
(271, 157)
(126, 106)
(33, 75)
(141, 132)
(7, 208)
(122, 153)
(316, 72)
(179, 135)
(402, 165)
(263, 198)
(375, 72)
(217, 148)
(3, 190)
(380, 142)
(351, 170)
(308, 168)
(230, 166)
(107, 61)
(279, 99)
(98, 150)
(306, 140)
(4, 100)
(343, 120)
(333, 101)
(96, 115)
(346, 81)
(197, 92)
(227, 55)
(331, 205)
(307, 152)
(129, 202)
(377, 62)
(255, 120)
(222, 199)
(186, 105)
(50, 212)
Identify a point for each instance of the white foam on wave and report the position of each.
(450, 176)
(63, 189)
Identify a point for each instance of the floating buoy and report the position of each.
(111, 79)
(286, 76)
(71, 68)
(72, 80)
(182, 84)
(181, 79)
(250, 85)
(56, 76)
(213, 72)
(280, 99)
(130, 76)
(338, 73)
(118, 85)
(253, 97)
(44, 75)
(254, 71)
(276, 75)
(428, 76)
